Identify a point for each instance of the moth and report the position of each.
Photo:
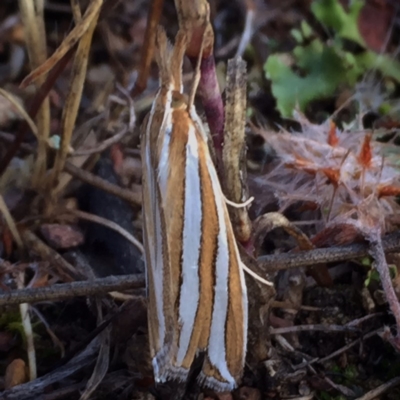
(196, 286)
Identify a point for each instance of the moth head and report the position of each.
(179, 100)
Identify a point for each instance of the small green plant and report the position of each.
(373, 275)
(315, 69)
(11, 322)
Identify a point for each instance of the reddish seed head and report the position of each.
(365, 155)
(333, 140)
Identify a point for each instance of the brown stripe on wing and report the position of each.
(151, 206)
(174, 206)
(149, 239)
(234, 327)
(211, 377)
(207, 258)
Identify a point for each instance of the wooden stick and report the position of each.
(64, 291)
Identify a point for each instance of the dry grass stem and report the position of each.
(11, 98)
(109, 224)
(91, 14)
(32, 15)
(11, 223)
(73, 99)
(248, 30)
(348, 347)
(103, 359)
(26, 323)
(380, 390)
(103, 146)
(37, 388)
(147, 51)
(63, 268)
(273, 220)
(88, 177)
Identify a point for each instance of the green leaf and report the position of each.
(306, 30)
(351, 372)
(322, 70)
(333, 15)
(382, 62)
(297, 35)
(319, 69)
(366, 261)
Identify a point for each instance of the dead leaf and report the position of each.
(62, 236)
(15, 373)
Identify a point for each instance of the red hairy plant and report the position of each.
(335, 170)
(350, 178)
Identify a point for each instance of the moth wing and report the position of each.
(227, 342)
(180, 195)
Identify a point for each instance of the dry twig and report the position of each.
(91, 179)
(73, 289)
(374, 393)
(148, 46)
(313, 327)
(278, 262)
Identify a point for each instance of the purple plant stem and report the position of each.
(212, 103)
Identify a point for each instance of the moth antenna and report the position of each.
(239, 205)
(163, 56)
(177, 57)
(256, 276)
(196, 76)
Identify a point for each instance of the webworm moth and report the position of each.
(196, 288)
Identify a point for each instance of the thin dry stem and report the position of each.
(73, 99)
(147, 50)
(109, 224)
(10, 223)
(94, 180)
(347, 347)
(91, 14)
(11, 98)
(380, 390)
(26, 323)
(102, 146)
(278, 262)
(32, 14)
(63, 268)
(248, 30)
(71, 290)
(377, 252)
(313, 327)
